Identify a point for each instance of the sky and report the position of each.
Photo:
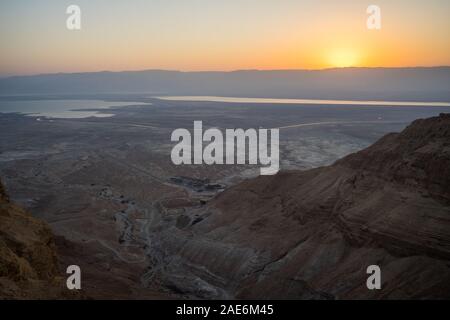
(195, 35)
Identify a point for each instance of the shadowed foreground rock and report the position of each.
(33, 263)
(28, 264)
(312, 234)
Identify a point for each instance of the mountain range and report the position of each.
(409, 84)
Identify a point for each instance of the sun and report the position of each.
(342, 58)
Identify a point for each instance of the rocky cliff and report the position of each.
(312, 234)
(296, 235)
(28, 264)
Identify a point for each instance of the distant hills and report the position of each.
(418, 84)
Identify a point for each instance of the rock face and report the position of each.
(28, 264)
(312, 234)
(296, 235)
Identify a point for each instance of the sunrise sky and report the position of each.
(220, 35)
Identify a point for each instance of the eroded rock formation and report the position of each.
(312, 234)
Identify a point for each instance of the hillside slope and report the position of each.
(312, 234)
(28, 264)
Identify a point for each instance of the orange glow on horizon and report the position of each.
(342, 58)
(222, 36)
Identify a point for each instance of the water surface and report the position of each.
(304, 101)
(63, 108)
